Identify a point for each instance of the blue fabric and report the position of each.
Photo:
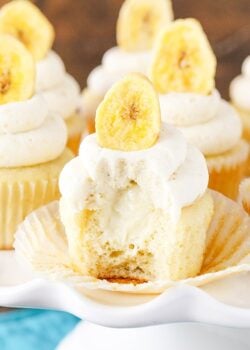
(34, 329)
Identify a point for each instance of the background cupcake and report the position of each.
(240, 96)
(138, 23)
(32, 141)
(183, 71)
(61, 92)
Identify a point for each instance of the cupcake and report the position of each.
(138, 23)
(135, 214)
(134, 203)
(244, 194)
(240, 96)
(61, 92)
(182, 71)
(32, 141)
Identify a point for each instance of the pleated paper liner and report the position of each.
(25, 189)
(41, 242)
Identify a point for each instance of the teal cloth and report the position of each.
(34, 329)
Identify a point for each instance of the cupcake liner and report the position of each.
(227, 170)
(41, 242)
(244, 195)
(25, 189)
(18, 200)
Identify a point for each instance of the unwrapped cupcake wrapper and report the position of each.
(41, 242)
(227, 171)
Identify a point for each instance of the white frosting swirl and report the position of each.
(189, 108)
(240, 87)
(164, 172)
(16, 117)
(29, 135)
(63, 99)
(116, 63)
(207, 122)
(49, 72)
(219, 134)
(61, 91)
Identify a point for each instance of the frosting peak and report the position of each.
(116, 63)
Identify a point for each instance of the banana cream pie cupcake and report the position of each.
(32, 141)
(138, 23)
(183, 73)
(134, 203)
(25, 21)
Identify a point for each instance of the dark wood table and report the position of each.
(86, 29)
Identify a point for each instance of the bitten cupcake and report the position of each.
(32, 141)
(183, 70)
(138, 23)
(134, 203)
(135, 214)
(25, 21)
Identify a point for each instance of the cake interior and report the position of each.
(122, 236)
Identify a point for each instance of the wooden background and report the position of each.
(86, 28)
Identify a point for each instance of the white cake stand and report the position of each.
(183, 318)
